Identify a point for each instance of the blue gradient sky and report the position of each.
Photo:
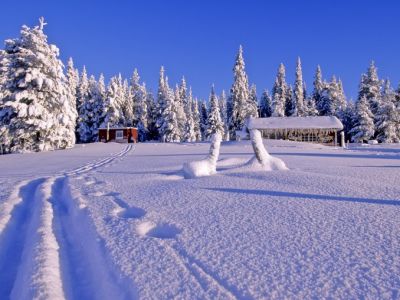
(199, 39)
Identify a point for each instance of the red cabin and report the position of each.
(119, 135)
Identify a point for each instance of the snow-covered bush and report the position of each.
(206, 166)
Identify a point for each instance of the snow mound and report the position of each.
(206, 166)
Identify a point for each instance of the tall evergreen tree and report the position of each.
(279, 91)
(298, 93)
(363, 122)
(203, 119)
(112, 107)
(252, 106)
(239, 95)
(35, 111)
(82, 96)
(370, 88)
(224, 114)
(289, 102)
(197, 120)
(169, 129)
(318, 89)
(265, 105)
(73, 80)
(214, 122)
(387, 116)
(189, 132)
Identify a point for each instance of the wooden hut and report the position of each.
(119, 135)
(318, 129)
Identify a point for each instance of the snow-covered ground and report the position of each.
(113, 221)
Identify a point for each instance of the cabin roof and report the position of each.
(117, 128)
(317, 122)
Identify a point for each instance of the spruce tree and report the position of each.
(142, 113)
(252, 104)
(73, 79)
(239, 95)
(298, 109)
(318, 88)
(224, 114)
(197, 121)
(387, 116)
(169, 129)
(370, 88)
(82, 97)
(265, 105)
(203, 119)
(35, 111)
(279, 91)
(112, 110)
(214, 122)
(363, 122)
(190, 134)
(289, 101)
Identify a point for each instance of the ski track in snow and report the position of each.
(48, 246)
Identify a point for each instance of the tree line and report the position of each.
(45, 106)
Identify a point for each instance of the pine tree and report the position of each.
(197, 121)
(180, 112)
(35, 110)
(152, 117)
(203, 119)
(90, 113)
(311, 109)
(387, 116)
(265, 105)
(279, 93)
(298, 109)
(363, 122)
(112, 110)
(142, 114)
(239, 95)
(348, 119)
(289, 101)
(318, 89)
(224, 114)
(162, 97)
(370, 88)
(252, 104)
(73, 80)
(82, 96)
(214, 122)
(184, 112)
(190, 134)
(169, 129)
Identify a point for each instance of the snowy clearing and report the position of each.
(120, 222)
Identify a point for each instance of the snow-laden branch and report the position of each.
(208, 165)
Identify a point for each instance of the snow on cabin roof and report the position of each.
(324, 122)
(118, 128)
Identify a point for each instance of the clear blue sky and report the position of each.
(199, 39)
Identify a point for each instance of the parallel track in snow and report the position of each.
(49, 247)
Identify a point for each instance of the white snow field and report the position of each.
(114, 221)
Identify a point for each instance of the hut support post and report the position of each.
(335, 142)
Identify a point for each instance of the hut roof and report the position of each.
(323, 122)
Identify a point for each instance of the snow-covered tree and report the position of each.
(112, 106)
(298, 108)
(370, 88)
(311, 109)
(289, 103)
(142, 114)
(35, 111)
(252, 103)
(214, 122)
(363, 122)
(203, 119)
(180, 111)
(189, 132)
(224, 114)
(387, 116)
(73, 79)
(185, 112)
(239, 95)
(91, 112)
(279, 93)
(169, 128)
(318, 88)
(152, 117)
(82, 96)
(265, 105)
(162, 98)
(197, 120)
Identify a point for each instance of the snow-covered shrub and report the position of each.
(208, 165)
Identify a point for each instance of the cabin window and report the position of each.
(119, 134)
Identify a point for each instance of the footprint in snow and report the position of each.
(130, 212)
(160, 231)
